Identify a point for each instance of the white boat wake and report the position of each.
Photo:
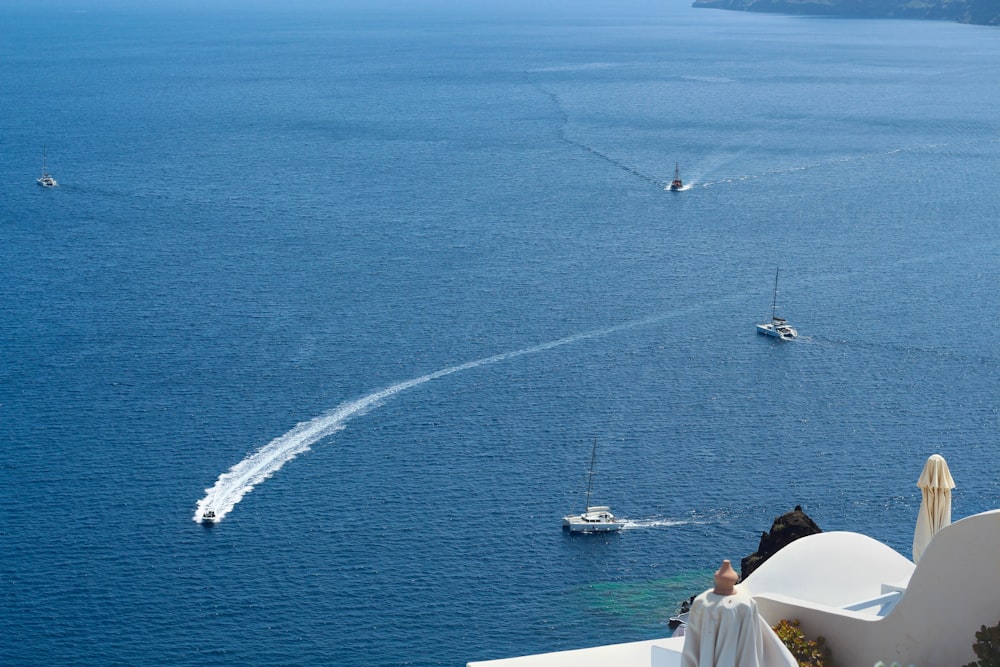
(630, 524)
(241, 479)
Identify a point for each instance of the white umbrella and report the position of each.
(724, 629)
(935, 508)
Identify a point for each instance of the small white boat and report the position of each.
(778, 327)
(595, 518)
(45, 180)
(208, 516)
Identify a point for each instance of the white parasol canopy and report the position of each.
(726, 630)
(935, 507)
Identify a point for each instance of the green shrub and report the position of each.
(807, 653)
(987, 647)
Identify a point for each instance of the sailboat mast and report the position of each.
(774, 300)
(590, 479)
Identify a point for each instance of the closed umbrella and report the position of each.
(935, 507)
(724, 629)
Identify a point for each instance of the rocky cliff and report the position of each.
(980, 12)
(786, 529)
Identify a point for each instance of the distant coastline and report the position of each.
(978, 12)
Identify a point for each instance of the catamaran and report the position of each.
(778, 327)
(595, 518)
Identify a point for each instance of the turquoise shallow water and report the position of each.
(265, 216)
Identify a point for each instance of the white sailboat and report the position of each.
(595, 518)
(778, 327)
(45, 180)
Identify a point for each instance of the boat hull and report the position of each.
(781, 333)
(594, 520)
(583, 527)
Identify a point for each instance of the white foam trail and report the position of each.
(822, 164)
(241, 479)
(652, 523)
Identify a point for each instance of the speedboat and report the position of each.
(45, 180)
(778, 327)
(677, 183)
(208, 516)
(595, 518)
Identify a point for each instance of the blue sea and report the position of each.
(371, 279)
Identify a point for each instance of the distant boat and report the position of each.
(45, 180)
(595, 518)
(778, 327)
(208, 516)
(677, 183)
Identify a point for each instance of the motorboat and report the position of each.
(45, 180)
(778, 327)
(208, 516)
(676, 184)
(594, 518)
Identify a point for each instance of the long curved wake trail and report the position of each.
(241, 479)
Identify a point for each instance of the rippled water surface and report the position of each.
(371, 282)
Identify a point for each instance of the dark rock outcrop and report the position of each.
(981, 12)
(786, 529)
(685, 607)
